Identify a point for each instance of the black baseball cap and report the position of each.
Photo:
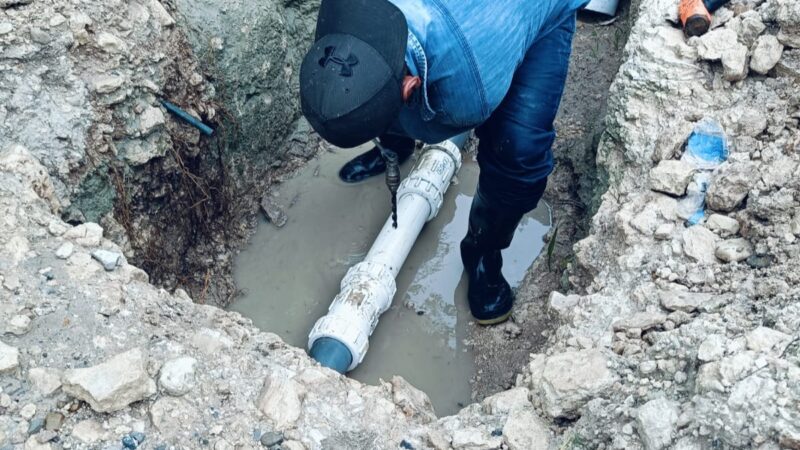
(351, 78)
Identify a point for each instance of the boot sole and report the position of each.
(496, 320)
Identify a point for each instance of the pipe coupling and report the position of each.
(432, 175)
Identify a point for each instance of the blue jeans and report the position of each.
(515, 152)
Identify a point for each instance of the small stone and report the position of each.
(734, 250)
(648, 367)
(641, 321)
(110, 43)
(65, 250)
(150, 119)
(682, 300)
(210, 341)
(700, 244)
(664, 231)
(412, 401)
(766, 340)
(112, 385)
(33, 443)
(760, 261)
(731, 185)
(525, 431)
(723, 45)
(88, 431)
(271, 438)
(9, 358)
(87, 234)
(129, 443)
(766, 54)
(507, 401)
(5, 28)
(28, 411)
(293, 445)
(671, 177)
(712, 349)
(273, 211)
(178, 376)
(108, 259)
(281, 400)
(723, 225)
(35, 425)
(160, 13)
(46, 436)
(18, 325)
(656, 422)
(106, 84)
(53, 421)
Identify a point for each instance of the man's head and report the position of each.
(352, 79)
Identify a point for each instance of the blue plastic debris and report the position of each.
(706, 149)
(188, 118)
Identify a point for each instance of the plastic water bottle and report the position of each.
(706, 149)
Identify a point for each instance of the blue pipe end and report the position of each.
(332, 354)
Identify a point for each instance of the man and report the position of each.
(406, 70)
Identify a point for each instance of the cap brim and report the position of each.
(378, 22)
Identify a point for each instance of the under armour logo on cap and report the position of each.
(346, 64)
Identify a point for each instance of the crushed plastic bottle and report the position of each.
(706, 149)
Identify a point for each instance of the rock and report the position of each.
(525, 431)
(9, 3)
(106, 84)
(656, 422)
(731, 185)
(563, 304)
(723, 225)
(28, 411)
(170, 413)
(271, 438)
(413, 402)
(5, 28)
(86, 234)
(566, 381)
(789, 65)
(273, 211)
(110, 43)
(671, 177)
(507, 401)
(18, 325)
(139, 152)
(160, 13)
(722, 45)
(178, 375)
(641, 320)
(796, 224)
(9, 358)
(281, 400)
(112, 385)
(767, 340)
(108, 259)
(65, 250)
(211, 341)
(734, 250)
(766, 54)
(748, 26)
(712, 349)
(151, 119)
(45, 381)
(53, 421)
(33, 443)
(700, 244)
(682, 300)
(293, 445)
(469, 438)
(664, 231)
(35, 425)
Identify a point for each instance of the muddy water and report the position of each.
(290, 276)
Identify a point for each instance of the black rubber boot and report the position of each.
(491, 230)
(371, 163)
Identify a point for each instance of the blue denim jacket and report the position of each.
(466, 52)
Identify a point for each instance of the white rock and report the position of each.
(643, 320)
(671, 177)
(796, 224)
(106, 84)
(33, 444)
(664, 231)
(5, 28)
(723, 45)
(766, 340)
(731, 185)
(18, 325)
(110, 43)
(86, 234)
(45, 381)
(682, 300)
(211, 342)
(470, 438)
(160, 13)
(700, 244)
(9, 358)
(734, 250)
(150, 119)
(108, 259)
(112, 385)
(507, 401)
(656, 422)
(712, 349)
(65, 250)
(292, 445)
(89, 431)
(723, 225)
(281, 400)
(566, 381)
(526, 431)
(766, 54)
(178, 375)
(748, 26)
(563, 304)
(413, 402)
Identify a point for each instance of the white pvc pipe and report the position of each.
(369, 287)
